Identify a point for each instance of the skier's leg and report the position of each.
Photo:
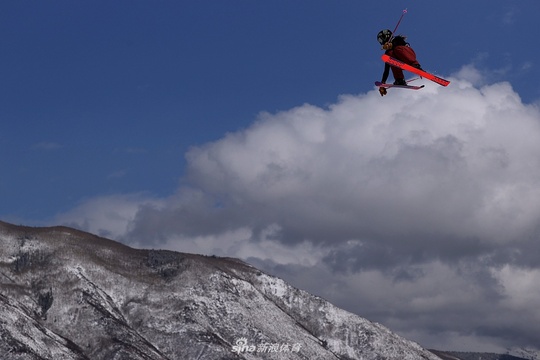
(398, 76)
(407, 55)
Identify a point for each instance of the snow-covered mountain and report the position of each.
(66, 294)
(457, 355)
(528, 354)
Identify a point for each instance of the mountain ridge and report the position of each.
(461, 355)
(73, 295)
(67, 294)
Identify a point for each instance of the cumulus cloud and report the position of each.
(419, 210)
(455, 165)
(107, 216)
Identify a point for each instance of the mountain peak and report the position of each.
(67, 294)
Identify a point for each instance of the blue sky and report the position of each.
(128, 118)
(105, 97)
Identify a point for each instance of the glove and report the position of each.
(419, 68)
(382, 91)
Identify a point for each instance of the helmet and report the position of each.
(384, 36)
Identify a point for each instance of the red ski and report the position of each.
(410, 87)
(422, 73)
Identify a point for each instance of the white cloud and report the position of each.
(479, 73)
(241, 243)
(471, 73)
(107, 216)
(455, 161)
(520, 288)
(415, 210)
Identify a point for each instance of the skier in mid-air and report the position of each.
(397, 48)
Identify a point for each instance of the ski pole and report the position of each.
(399, 21)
